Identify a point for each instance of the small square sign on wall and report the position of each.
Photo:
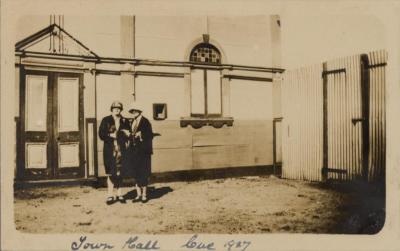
(159, 111)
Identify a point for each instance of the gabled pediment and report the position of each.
(54, 39)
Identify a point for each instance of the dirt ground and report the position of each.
(232, 205)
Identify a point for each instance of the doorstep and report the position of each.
(23, 184)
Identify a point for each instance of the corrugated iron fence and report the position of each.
(334, 119)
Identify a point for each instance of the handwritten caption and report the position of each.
(137, 243)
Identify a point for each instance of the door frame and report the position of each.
(365, 100)
(52, 147)
(274, 145)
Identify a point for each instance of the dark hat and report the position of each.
(116, 104)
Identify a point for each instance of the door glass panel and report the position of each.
(197, 91)
(68, 104)
(36, 155)
(214, 92)
(36, 103)
(69, 155)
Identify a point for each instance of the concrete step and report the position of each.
(22, 184)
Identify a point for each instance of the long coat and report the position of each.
(107, 126)
(140, 151)
(145, 144)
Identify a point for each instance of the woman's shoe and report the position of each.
(110, 200)
(137, 198)
(144, 198)
(121, 199)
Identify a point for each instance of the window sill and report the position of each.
(200, 122)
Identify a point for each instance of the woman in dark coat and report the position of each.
(115, 146)
(140, 150)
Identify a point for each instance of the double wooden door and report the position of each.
(51, 125)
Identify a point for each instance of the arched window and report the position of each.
(205, 53)
(205, 83)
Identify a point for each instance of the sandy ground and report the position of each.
(232, 205)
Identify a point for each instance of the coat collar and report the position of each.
(122, 119)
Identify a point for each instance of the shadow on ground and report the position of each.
(363, 211)
(246, 205)
(153, 193)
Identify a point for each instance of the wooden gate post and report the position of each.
(365, 114)
(325, 123)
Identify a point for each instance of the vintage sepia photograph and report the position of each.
(199, 124)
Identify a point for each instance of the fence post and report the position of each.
(325, 123)
(365, 113)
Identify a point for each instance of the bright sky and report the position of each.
(315, 38)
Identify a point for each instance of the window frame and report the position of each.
(207, 46)
(154, 111)
(198, 120)
(205, 82)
